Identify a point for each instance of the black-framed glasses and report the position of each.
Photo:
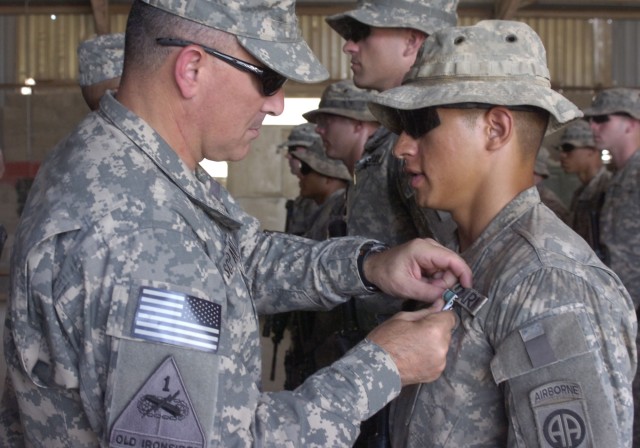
(270, 80)
(356, 31)
(418, 122)
(305, 168)
(600, 119)
(567, 147)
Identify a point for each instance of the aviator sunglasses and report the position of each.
(270, 80)
(599, 119)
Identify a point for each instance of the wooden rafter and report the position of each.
(100, 10)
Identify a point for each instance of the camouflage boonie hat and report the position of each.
(495, 62)
(100, 58)
(578, 134)
(268, 29)
(615, 100)
(301, 135)
(316, 158)
(541, 168)
(345, 99)
(427, 16)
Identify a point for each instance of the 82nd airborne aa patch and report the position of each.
(560, 415)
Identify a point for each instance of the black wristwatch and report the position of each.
(365, 250)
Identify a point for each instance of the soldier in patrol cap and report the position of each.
(100, 61)
(300, 210)
(579, 156)
(547, 195)
(614, 117)
(137, 282)
(545, 353)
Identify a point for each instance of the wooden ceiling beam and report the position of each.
(508, 9)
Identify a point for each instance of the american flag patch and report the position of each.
(178, 319)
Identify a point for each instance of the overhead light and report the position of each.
(53, 17)
(25, 90)
(29, 82)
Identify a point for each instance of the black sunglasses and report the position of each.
(599, 119)
(356, 31)
(418, 122)
(270, 80)
(567, 147)
(305, 168)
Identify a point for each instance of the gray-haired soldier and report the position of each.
(579, 156)
(100, 61)
(137, 280)
(545, 353)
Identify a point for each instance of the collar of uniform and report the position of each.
(501, 222)
(379, 138)
(165, 158)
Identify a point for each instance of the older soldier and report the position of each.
(614, 117)
(579, 156)
(137, 280)
(300, 210)
(100, 61)
(545, 352)
(547, 195)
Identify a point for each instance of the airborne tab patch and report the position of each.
(159, 415)
(177, 319)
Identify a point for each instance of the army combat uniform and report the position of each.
(585, 207)
(548, 358)
(135, 295)
(620, 225)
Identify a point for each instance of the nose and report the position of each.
(349, 47)
(406, 147)
(274, 104)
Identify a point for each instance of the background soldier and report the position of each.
(579, 156)
(100, 61)
(547, 196)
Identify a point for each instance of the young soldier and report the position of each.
(545, 353)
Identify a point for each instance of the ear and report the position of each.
(188, 70)
(414, 41)
(499, 127)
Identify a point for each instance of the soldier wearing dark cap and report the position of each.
(137, 280)
(100, 61)
(579, 156)
(545, 353)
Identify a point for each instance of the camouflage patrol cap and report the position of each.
(541, 168)
(100, 58)
(345, 99)
(427, 16)
(615, 100)
(317, 159)
(301, 135)
(268, 29)
(578, 134)
(495, 62)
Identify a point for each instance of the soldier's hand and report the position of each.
(420, 269)
(417, 342)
